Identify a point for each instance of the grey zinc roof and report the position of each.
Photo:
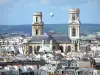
(39, 38)
(62, 38)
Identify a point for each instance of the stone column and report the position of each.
(78, 46)
(27, 49)
(43, 42)
(70, 31)
(78, 32)
(64, 48)
(33, 50)
(51, 44)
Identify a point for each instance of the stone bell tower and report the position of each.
(37, 25)
(74, 23)
(74, 26)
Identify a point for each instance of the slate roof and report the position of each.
(59, 38)
(62, 38)
(68, 62)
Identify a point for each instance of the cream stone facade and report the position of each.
(65, 43)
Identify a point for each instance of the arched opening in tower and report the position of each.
(69, 49)
(36, 32)
(61, 48)
(73, 31)
(73, 17)
(36, 19)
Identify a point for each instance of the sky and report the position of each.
(18, 12)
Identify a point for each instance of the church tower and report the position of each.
(74, 26)
(37, 25)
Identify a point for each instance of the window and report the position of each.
(38, 47)
(35, 49)
(36, 32)
(30, 49)
(62, 72)
(54, 47)
(61, 48)
(69, 49)
(73, 32)
(36, 19)
(73, 17)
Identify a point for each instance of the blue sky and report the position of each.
(16, 12)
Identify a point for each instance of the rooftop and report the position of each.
(60, 38)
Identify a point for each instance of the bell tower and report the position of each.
(37, 25)
(74, 23)
(74, 26)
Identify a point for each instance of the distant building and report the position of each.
(65, 43)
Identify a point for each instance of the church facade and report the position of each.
(64, 42)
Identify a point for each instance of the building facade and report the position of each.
(65, 43)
